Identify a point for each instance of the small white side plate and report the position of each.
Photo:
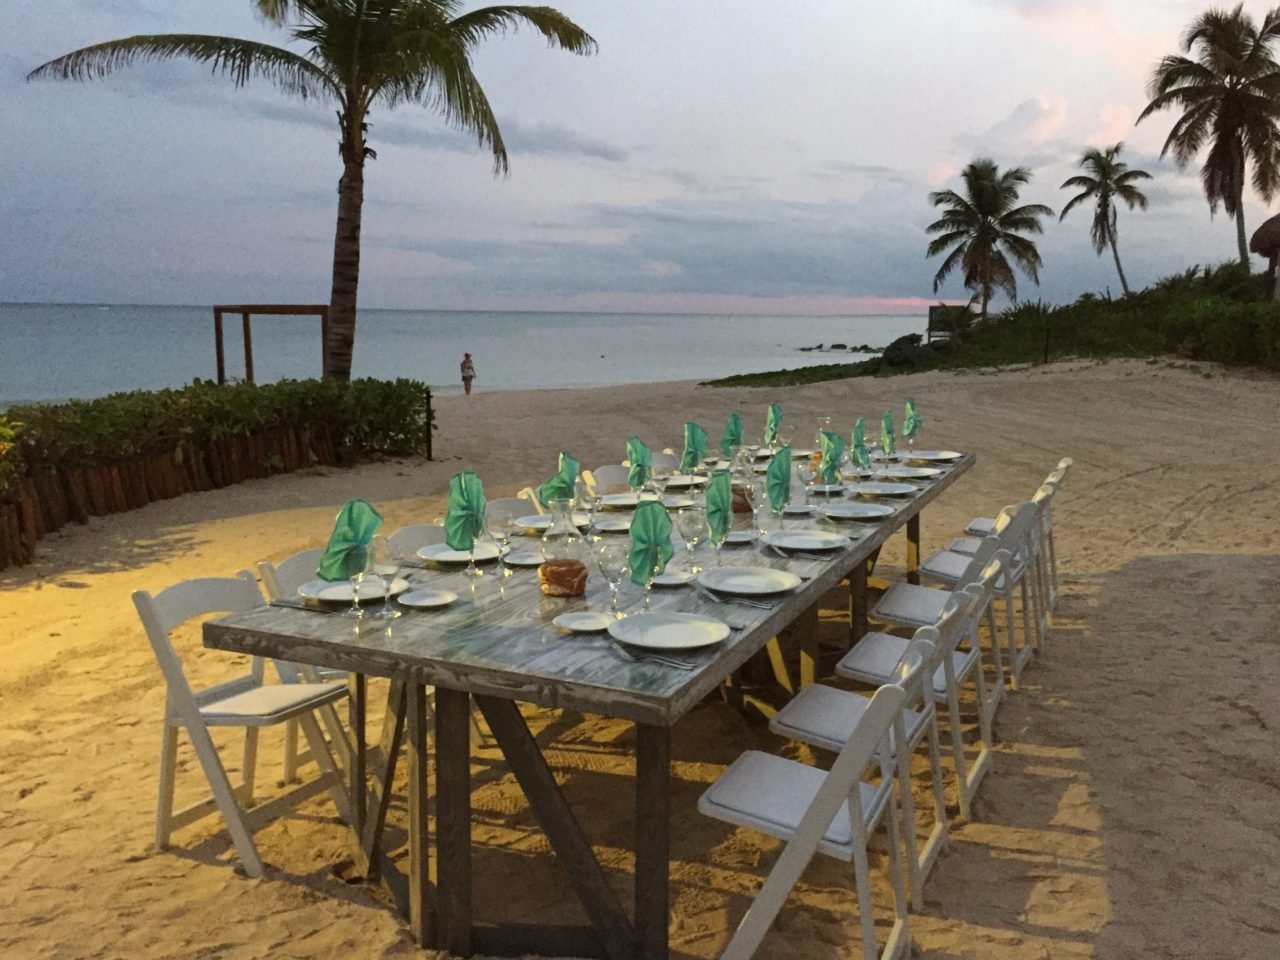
(428, 599)
(584, 621)
(797, 510)
(740, 537)
(934, 456)
(677, 503)
(524, 558)
(613, 524)
(673, 578)
(683, 481)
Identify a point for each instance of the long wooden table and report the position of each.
(497, 646)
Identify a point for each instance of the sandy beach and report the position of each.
(1131, 808)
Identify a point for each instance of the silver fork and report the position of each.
(743, 601)
(649, 657)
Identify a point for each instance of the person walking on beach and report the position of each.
(468, 373)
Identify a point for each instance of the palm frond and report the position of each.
(240, 60)
(558, 29)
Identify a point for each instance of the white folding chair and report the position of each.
(281, 581)
(606, 479)
(407, 541)
(242, 702)
(1018, 531)
(827, 717)
(817, 811)
(982, 526)
(875, 660)
(519, 506)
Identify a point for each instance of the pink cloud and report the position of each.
(1115, 124)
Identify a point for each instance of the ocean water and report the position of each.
(56, 351)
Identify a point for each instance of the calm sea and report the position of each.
(55, 351)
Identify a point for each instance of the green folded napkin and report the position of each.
(832, 451)
(732, 436)
(911, 421)
(886, 433)
(641, 462)
(695, 447)
(650, 541)
(562, 485)
(348, 547)
(777, 480)
(772, 424)
(720, 505)
(464, 514)
(859, 449)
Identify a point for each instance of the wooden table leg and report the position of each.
(393, 722)
(453, 820)
(653, 840)
(858, 602)
(357, 705)
(419, 845)
(913, 549)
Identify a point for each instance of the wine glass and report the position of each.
(499, 524)
(780, 509)
(611, 558)
(385, 562)
(691, 522)
(588, 500)
(659, 477)
(650, 576)
(824, 424)
(807, 472)
(756, 498)
(359, 566)
(717, 542)
(472, 571)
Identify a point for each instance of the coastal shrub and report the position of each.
(1223, 331)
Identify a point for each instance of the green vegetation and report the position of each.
(1220, 314)
(1228, 91)
(984, 229)
(1107, 178)
(387, 53)
(360, 419)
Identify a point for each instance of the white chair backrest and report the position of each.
(918, 662)
(407, 541)
(609, 478)
(1016, 524)
(987, 549)
(958, 618)
(175, 605)
(283, 579)
(530, 494)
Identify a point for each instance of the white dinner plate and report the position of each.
(673, 578)
(855, 510)
(740, 537)
(748, 581)
(934, 456)
(763, 453)
(875, 488)
(798, 510)
(427, 599)
(669, 631)
(619, 501)
(524, 558)
(910, 473)
(542, 521)
(882, 456)
(339, 591)
(827, 489)
(585, 621)
(806, 540)
(683, 481)
(613, 524)
(443, 553)
(677, 503)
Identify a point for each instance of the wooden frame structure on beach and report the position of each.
(246, 311)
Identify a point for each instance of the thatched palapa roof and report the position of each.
(1266, 239)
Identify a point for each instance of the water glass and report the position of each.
(807, 473)
(359, 566)
(691, 523)
(500, 524)
(385, 562)
(611, 558)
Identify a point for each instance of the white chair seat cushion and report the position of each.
(875, 659)
(981, 526)
(771, 794)
(912, 605)
(946, 566)
(826, 717)
(271, 703)
(965, 545)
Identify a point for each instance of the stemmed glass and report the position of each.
(659, 477)
(824, 423)
(611, 558)
(807, 472)
(717, 543)
(756, 497)
(691, 522)
(472, 570)
(385, 562)
(588, 500)
(780, 510)
(650, 576)
(499, 524)
(360, 557)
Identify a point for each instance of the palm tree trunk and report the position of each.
(1115, 252)
(986, 299)
(346, 268)
(1240, 234)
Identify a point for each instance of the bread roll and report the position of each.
(563, 578)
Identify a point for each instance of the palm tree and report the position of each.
(1109, 177)
(359, 54)
(1229, 95)
(986, 227)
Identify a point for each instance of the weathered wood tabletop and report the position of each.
(498, 645)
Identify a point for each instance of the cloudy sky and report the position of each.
(716, 155)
